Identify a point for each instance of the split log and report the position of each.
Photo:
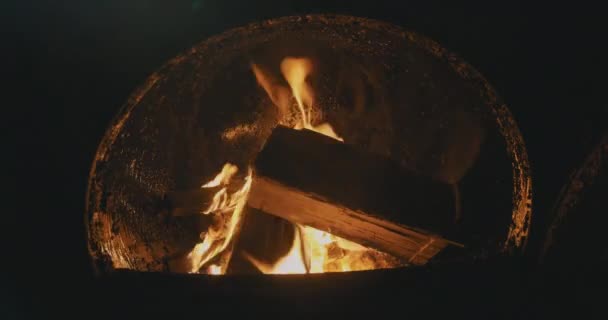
(314, 180)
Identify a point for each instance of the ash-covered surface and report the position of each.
(384, 89)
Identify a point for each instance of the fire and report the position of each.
(312, 250)
(227, 209)
(291, 263)
(223, 178)
(295, 71)
(323, 252)
(214, 269)
(316, 248)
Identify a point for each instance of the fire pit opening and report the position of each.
(309, 145)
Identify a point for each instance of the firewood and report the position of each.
(311, 179)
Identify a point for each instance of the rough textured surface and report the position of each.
(412, 245)
(384, 89)
(351, 178)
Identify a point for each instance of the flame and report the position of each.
(323, 252)
(227, 209)
(278, 94)
(228, 170)
(326, 252)
(312, 250)
(214, 269)
(316, 248)
(295, 71)
(291, 263)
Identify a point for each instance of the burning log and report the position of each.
(314, 180)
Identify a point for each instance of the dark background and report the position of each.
(70, 65)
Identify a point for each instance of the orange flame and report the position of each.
(323, 252)
(295, 71)
(312, 251)
(227, 209)
(291, 263)
(228, 170)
